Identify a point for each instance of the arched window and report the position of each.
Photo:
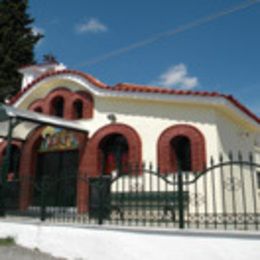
(184, 146)
(38, 109)
(92, 156)
(87, 104)
(58, 107)
(181, 153)
(78, 109)
(114, 153)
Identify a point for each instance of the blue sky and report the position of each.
(222, 55)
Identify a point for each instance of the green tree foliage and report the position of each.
(17, 41)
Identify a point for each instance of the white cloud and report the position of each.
(177, 76)
(93, 25)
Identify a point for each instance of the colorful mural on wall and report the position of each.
(56, 139)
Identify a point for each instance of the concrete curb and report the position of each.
(201, 233)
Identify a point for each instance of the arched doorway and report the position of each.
(100, 148)
(92, 157)
(53, 154)
(57, 166)
(113, 151)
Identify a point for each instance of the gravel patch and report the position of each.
(15, 252)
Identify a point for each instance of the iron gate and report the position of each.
(226, 195)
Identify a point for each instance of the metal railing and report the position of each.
(226, 195)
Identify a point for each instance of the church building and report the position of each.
(106, 127)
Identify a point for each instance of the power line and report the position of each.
(167, 34)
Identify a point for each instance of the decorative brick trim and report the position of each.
(46, 103)
(88, 103)
(91, 162)
(198, 149)
(89, 166)
(28, 167)
(37, 104)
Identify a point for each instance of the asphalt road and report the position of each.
(18, 253)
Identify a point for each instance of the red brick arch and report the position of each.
(69, 97)
(36, 105)
(90, 159)
(29, 159)
(197, 141)
(27, 167)
(89, 165)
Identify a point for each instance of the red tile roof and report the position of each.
(127, 87)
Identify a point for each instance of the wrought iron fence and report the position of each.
(226, 195)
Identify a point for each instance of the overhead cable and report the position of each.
(170, 33)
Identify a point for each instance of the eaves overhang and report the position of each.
(128, 90)
(28, 121)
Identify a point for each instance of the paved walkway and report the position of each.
(19, 253)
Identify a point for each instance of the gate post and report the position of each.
(99, 198)
(180, 199)
(104, 183)
(2, 202)
(43, 204)
(100, 208)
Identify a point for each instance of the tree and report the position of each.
(49, 58)
(17, 42)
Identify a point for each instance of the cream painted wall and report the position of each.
(232, 136)
(150, 119)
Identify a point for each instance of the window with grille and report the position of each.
(181, 153)
(58, 106)
(78, 109)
